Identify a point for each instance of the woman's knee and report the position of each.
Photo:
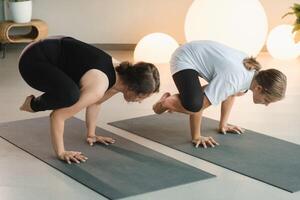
(69, 97)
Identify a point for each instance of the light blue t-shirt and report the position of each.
(220, 65)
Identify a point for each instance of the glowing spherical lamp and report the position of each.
(155, 48)
(280, 43)
(241, 24)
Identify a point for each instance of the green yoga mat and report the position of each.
(270, 160)
(116, 171)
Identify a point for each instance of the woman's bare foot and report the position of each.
(158, 107)
(26, 105)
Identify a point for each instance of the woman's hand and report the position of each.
(230, 129)
(72, 156)
(99, 139)
(204, 141)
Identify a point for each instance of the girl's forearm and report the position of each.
(57, 130)
(195, 125)
(196, 119)
(225, 110)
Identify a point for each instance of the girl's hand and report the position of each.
(230, 129)
(204, 141)
(99, 139)
(72, 156)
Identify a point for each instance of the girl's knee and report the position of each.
(192, 105)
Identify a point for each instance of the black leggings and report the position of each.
(190, 90)
(42, 73)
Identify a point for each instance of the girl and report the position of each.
(229, 73)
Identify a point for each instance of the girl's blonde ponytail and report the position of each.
(251, 64)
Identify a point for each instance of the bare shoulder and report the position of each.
(94, 81)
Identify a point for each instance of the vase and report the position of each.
(20, 11)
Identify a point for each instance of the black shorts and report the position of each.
(190, 91)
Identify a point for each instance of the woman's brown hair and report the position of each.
(141, 78)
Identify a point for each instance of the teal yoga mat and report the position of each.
(270, 160)
(116, 171)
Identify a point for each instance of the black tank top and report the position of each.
(75, 58)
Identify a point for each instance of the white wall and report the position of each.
(126, 21)
(275, 9)
(112, 21)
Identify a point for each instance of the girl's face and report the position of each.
(131, 96)
(259, 97)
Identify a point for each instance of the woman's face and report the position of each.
(131, 96)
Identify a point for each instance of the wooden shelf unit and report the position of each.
(39, 30)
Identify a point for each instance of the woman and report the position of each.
(74, 75)
(229, 73)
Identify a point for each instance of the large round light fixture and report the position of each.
(155, 48)
(241, 24)
(280, 43)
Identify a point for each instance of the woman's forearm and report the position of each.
(91, 115)
(225, 110)
(57, 131)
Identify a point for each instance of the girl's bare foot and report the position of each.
(26, 105)
(158, 107)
